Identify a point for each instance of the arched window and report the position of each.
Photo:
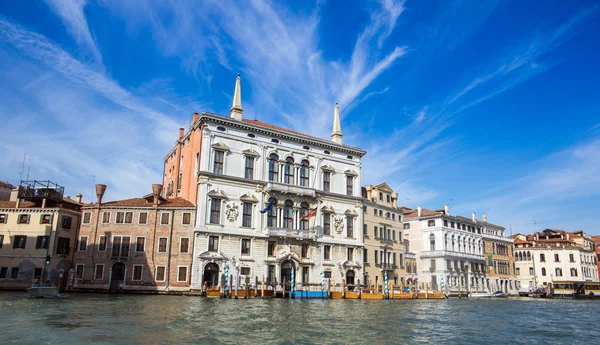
(544, 271)
(273, 167)
(272, 214)
(452, 242)
(432, 242)
(288, 215)
(289, 171)
(445, 241)
(304, 173)
(528, 256)
(303, 216)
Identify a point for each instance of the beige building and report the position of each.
(384, 249)
(136, 245)
(37, 222)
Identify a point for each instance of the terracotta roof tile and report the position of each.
(13, 204)
(6, 184)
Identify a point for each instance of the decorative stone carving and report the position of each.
(338, 224)
(232, 211)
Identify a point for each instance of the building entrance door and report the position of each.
(117, 276)
(211, 275)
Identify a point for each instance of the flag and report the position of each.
(311, 213)
(268, 206)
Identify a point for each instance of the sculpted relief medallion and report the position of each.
(231, 212)
(338, 224)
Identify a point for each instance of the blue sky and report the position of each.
(485, 106)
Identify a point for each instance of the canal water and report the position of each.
(126, 319)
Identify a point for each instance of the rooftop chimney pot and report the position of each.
(100, 189)
(485, 217)
(195, 119)
(446, 210)
(419, 211)
(181, 133)
(156, 190)
(78, 197)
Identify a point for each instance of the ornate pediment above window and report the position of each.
(328, 168)
(213, 256)
(220, 147)
(251, 153)
(217, 194)
(249, 198)
(351, 172)
(351, 213)
(327, 209)
(351, 264)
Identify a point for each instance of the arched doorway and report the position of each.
(211, 275)
(286, 273)
(350, 280)
(117, 276)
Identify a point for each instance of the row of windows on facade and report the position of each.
(432, 223)
(245, 248)
(557, 271)
(20, 242)
(125, 217)
(121, 245)
(289, 211)
(137, 273)
(474, 266)
(289, 172)
(470, 246)
(36, 273)
(383, 258)
(526, 256)
(382, 233)
(44, 219)
(378, 212)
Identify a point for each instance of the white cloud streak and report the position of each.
(72, 16)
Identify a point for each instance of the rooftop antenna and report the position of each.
(28, 168)
(255, 115)
(22, 168)
(93, 188)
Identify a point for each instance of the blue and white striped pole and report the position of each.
(226, 277)
(443, 286)
(387, 287)
(322, 281)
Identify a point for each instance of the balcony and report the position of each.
(388, 267)
(291, 233)
(450, 254)
(290, 189)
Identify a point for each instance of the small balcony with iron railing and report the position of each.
(387, 266)
(290, 189)
(291, 233)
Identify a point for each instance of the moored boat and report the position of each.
(43, 290)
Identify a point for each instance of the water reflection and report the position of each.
(119, 319)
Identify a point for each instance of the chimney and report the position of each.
(156, 190)
(446, 210)
(78, 197)
(181, 133)
(485, 217)
(195, 119)
(14, 194)
(419, 211)
(369, 189)
(100, 189)
(395, 200)
(473, 217)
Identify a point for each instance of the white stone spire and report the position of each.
(236, 107)
(336, 135)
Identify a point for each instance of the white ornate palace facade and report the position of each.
(308, 188)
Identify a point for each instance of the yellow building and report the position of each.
(383, 238)
(36, 223)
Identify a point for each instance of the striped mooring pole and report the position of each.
(387, 286)
(226, 269)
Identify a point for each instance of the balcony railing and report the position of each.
(290, 189)
(291, 233)
(447, 253)
(388, 267)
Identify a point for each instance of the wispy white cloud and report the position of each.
(75, 122)
(550, 192)
(72, 15)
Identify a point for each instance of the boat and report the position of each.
(43, 290)
(497, 294)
